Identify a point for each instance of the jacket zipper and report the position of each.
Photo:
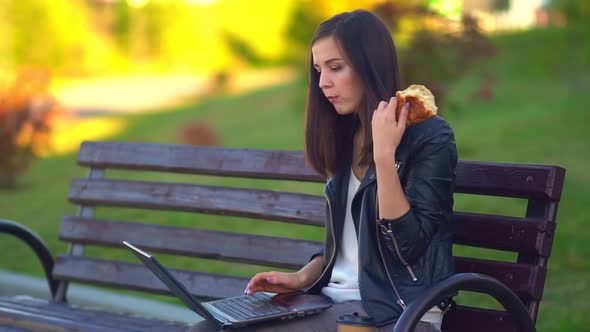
(333, 238)
(387, 230)
(399, 298)
(400, 301)
(358, 255)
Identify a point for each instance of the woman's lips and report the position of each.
(332, 99)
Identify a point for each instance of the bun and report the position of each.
(422, 106)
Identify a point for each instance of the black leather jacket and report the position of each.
(398, 258)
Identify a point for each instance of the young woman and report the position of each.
(389, 192)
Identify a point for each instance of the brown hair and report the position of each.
(369, 47)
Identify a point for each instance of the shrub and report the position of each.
(436, 59)
(198, 133)
(575, 11)
(26, 113)
(438, 50)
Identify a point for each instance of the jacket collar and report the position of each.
(339, 181)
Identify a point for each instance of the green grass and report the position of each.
(538, 114)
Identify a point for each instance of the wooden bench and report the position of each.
(530, 236)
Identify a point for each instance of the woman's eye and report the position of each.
(335, 68)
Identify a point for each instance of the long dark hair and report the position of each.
(369, 47)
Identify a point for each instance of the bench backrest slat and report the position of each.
(520, 235)
(252, 203)
(523, 279)
(253, 163)
(520, 278)
(510, 180)
(138, 277)
(234, 247)
(469, 319)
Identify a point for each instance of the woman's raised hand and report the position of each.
(387, 130)
(274, 282)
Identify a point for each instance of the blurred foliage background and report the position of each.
(509, 75)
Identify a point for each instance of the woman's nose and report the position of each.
(325, 80)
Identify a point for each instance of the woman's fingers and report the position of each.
(392, 106)
(256, 281)
(382, 106)
(403, 115)
(275, 282)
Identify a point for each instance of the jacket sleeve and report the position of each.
(316, 254)
(429, 190)
(322, 250)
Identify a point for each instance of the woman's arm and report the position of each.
(392, 200)
(429, 190)
(412, 214)
(387, 134)
(311, 271)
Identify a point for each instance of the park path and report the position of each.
(91, 106)
(128, 94)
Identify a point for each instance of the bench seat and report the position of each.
(32, 314)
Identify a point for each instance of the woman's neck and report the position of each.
(357, 149)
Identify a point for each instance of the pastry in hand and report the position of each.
(421, 101)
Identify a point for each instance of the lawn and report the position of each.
(538, 114)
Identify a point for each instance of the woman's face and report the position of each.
(338, 81)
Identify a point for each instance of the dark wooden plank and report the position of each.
(486, 178)
(522, 235)
(527, 281)
(40, 315)
(469, 319)
(252, 203)
(138, 277)
(252, 249)
(133, 276)
(510, 180)
(254, 163)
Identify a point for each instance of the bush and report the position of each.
(26, 113)
(575, 11)
(437, 51)
(436, 59)
(199, 133)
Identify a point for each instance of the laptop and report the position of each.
(240, 310)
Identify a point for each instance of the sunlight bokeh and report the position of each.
(69, 132)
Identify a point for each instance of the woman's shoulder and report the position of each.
(433, 129)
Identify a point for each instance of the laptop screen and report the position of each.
(172, 283)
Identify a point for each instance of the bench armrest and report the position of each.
(40, 249)
(473, 282)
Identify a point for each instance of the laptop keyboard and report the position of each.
(246, 306)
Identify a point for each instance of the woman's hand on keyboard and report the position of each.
(274, 282)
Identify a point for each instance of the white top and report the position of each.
(343, 285)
